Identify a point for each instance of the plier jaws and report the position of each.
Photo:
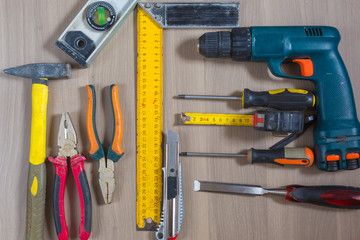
(66, 137)
(107, 179)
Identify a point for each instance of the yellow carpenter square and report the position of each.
(217, 119)
(149, 120)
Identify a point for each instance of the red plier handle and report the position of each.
(77, 166)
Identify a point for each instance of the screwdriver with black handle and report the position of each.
(282, 156)
(282, 99)
(329, 196)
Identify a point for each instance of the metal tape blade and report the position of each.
(217, 119)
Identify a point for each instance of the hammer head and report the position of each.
(41, 70)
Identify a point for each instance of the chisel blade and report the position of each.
(201, 186)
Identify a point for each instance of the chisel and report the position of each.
(329, 196)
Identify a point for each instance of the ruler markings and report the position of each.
(218, 119)
(149, 119)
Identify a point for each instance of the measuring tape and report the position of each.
(149, 121)
(222, 119)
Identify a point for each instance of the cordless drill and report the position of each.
(315, 49)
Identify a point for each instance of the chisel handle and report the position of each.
(330, 196)
(36, 189)
(281, 99)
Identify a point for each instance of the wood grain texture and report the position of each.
(29, 30)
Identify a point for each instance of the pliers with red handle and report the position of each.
(67, 149)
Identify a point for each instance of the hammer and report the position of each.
(36, 187)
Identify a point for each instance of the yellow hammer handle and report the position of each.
(38, 122)
(37, 170)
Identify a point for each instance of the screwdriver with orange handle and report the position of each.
(282, 156)
(96, 151)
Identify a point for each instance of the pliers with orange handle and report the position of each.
(96, 151)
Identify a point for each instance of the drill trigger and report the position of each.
(306, 66)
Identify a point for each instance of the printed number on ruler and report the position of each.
(149, 120)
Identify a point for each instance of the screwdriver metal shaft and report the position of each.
(209, 97)
(198, 154)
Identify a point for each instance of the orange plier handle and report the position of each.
(115, 151)
(96, 150)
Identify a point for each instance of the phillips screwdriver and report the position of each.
(282, 99)
(330, 196)
(282, 156)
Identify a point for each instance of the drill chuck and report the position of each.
(225, 44)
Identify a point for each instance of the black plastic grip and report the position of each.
(56, 204)
(172, 187)
(265, 156)
(282, 99)
(86, 196)
(330, 196)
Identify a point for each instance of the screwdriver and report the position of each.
(282, 156)
(286, 99)
(330, 196)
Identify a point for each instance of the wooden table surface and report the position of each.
(29, 30)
